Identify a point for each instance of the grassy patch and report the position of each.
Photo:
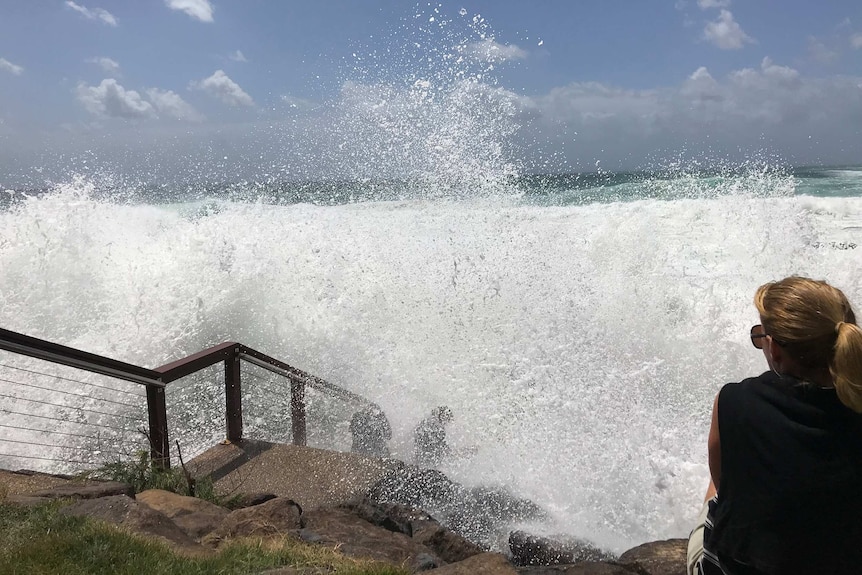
(142, 474)
(39, 539)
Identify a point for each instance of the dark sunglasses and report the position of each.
(757, 335)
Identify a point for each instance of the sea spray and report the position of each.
(579, 347)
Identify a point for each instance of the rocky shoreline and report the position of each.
(414, 518)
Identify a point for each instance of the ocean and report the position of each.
(417, 239)
(578, 326)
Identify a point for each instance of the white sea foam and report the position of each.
(579, 347)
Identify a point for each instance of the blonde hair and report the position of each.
(815, 324)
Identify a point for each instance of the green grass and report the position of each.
(39, 540)
(142, 474)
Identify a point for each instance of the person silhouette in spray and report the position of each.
(430, 445)
(371, 431)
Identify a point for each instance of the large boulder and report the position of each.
(417, 524)
(356, 537)
(194, 516)
(657, 557)
(277, 516)
(136, 517)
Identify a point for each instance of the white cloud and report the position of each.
(108, 65)
(111, 100)
(820, 51)
(93, 14)
(10, 67)
(701, 86)
(707, 4)
(493, 52)
(726, 33)
(856, 40)
(771, 107)
(168, 103)
(238, 56)
(225, 89)
(199, 9)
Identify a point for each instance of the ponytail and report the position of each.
(846, 365)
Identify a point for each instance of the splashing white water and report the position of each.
(579, 347)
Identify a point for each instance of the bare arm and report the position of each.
(714, 451)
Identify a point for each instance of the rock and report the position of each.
(251, 499)
(417, 524)
(357, 537)
(501, 505)
(418, 488)
(137, 517)
(310, 536)
(658, 557)
(424, 562)
(25, 500)
(450, 546)
(482, 515)
(275, 517)
(529, 549)
(483, 564)
(391, 516)
(194, 516)
(91, 490)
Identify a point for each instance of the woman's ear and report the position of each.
(774, 354)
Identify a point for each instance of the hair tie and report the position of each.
(838, 326)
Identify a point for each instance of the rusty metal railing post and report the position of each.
(297, 412)
(160, 450)
(233, 396)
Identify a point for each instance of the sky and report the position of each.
(341, 88)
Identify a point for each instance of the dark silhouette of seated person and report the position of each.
(430, 446)
(371, 431)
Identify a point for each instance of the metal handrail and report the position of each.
(155, 380)
(56, 353)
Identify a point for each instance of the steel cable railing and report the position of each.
(196, 410)
(137, 391)
(59, 419)
(267, 409)
(47, 419)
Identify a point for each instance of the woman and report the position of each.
(785, 448)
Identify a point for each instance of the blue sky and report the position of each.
(278, 84)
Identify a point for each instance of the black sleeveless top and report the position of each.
(790, 499)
